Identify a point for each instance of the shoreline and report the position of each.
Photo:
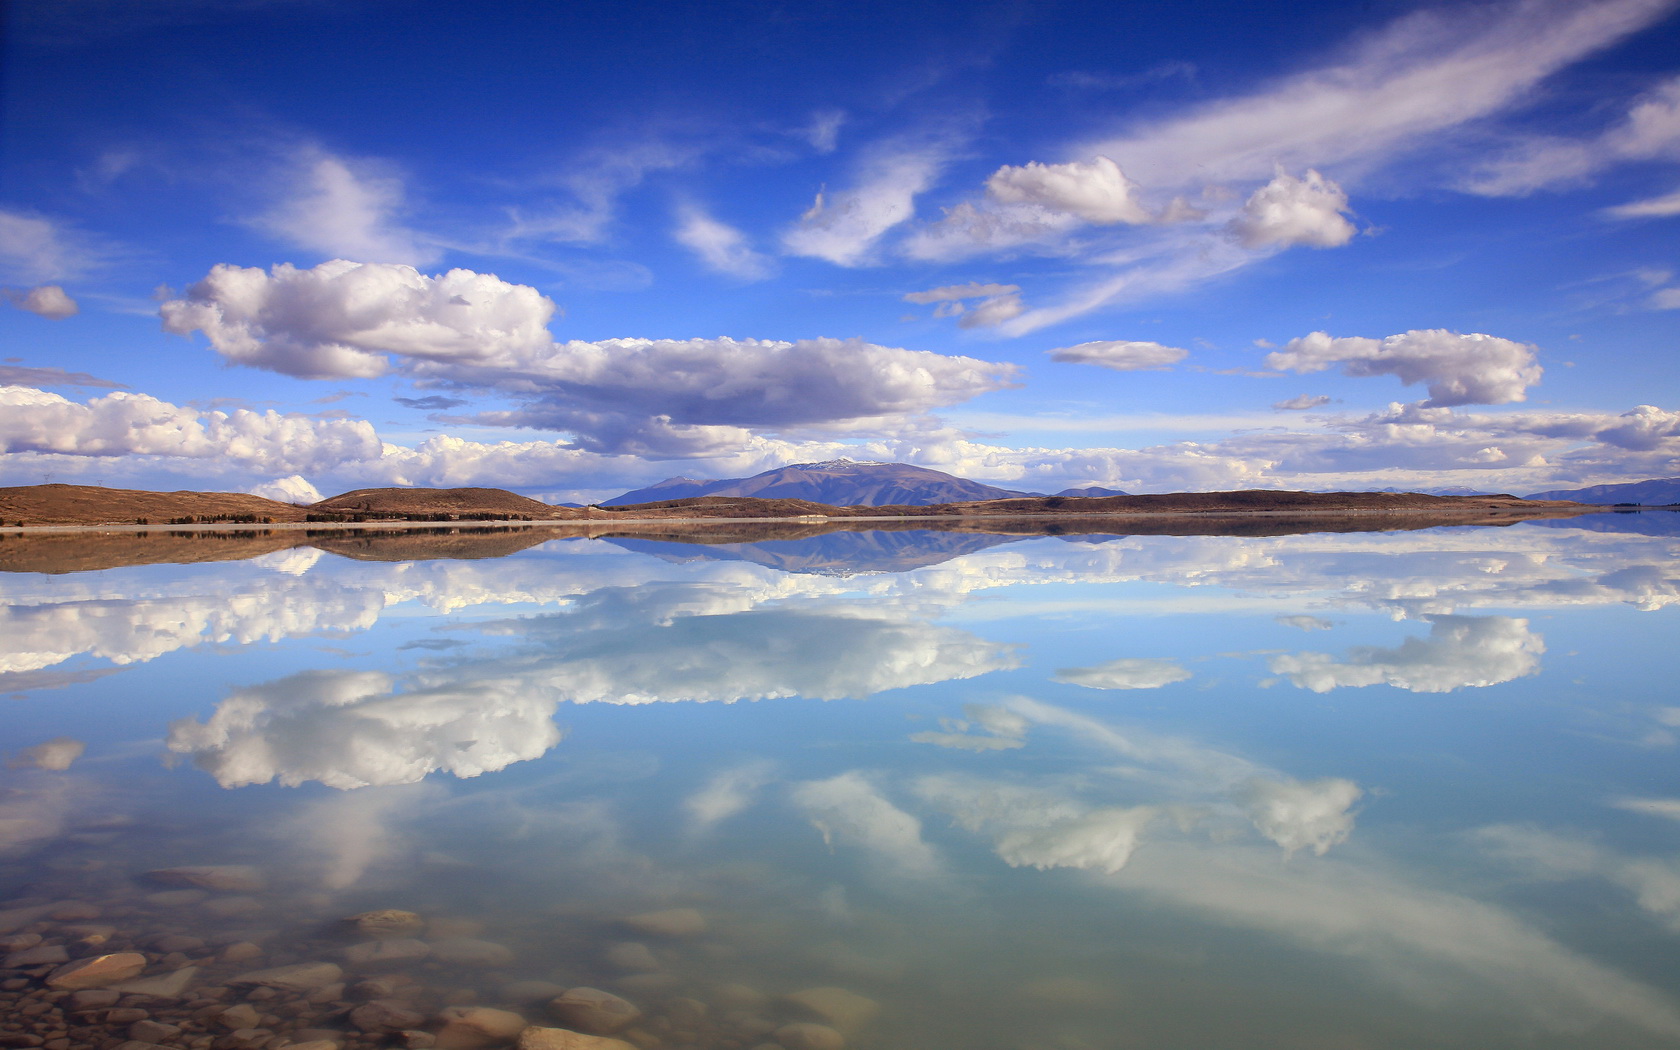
(1513, 513)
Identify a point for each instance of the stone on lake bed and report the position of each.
(301, 977)
(162, 986)
(40, 955)
(235, 878)
(839, 1007)
(240, 951)
(395, 951)
(97, 971)
(475, 1027)
(531, 991)
(243, 1015)
(176, 898)
(315, 1044)
(229, 907)
(593, 1011)
(388, 922)
(632, 957)
(538, 1038)
(386, 1015)
(468, 951)
(669, 922)
(806, 1036)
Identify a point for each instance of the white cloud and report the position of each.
(1297, 815)
(293, 488)
(128, 424)
(1125, 673)
(823, 133)
(1289, 211)
(994, 311)
(1460, 652)
(47, 300)
(1650, 130)
(1122, 355)
(1653, 883)
(34, 249)
(1097, 191)
(720, 246)
(957, 292)
(1302, 403)
(345, 209)
(849, 810)
(1650, 208)
(595, 181)
(844, 227)
(647, 396)
(1429, 71)
(56, 754)
(1456, 369)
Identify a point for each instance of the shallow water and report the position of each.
(1052, 793)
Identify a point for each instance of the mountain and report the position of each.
(1654, 493)
(1093, 491)
(838, 482)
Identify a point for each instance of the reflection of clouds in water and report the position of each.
(1125, 673)
(1042, 826)
(728, 793)
(349, 729)
(1002, 730)
(1306, 623)
(1298, 815)
(1460, 651)
(1653, 882)
(57, 754)
(849, 810)
(1434, 945)
(340, 837)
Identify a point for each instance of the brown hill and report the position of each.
(96, 505)
(450, 503)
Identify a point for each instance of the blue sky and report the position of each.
(294, 246)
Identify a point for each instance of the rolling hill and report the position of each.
(1654, 493)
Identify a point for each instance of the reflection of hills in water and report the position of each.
(1634, 522)
(833, 553)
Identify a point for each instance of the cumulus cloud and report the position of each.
(293, 488)
(849, 810)
(1289, 210)
(345, 209)
(1122, 355)
(1096, 191)
(1456, 369)
(1459, 652)
(668, 397)
(719, 246)
(1125, 673)
(123, 424)
(47, 300)
(844, 227)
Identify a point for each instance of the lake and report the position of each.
(901, 790)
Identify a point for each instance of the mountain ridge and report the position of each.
(1652, 492)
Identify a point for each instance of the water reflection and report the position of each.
(1323, 789)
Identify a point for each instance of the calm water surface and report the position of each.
(1049, 793)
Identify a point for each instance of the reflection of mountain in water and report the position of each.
(1636, 522)
(833, 553)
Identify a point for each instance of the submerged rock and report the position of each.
(386, 1015)
(236, 878)
(670, 922)
(593, 1011)
(632, 957)
(839, 1007)
(468, 951)
(388, 922)
(476, 1027)
(394, 951)
(536, 1038)
(162, 986)
(302, 977)
(97, 971)
(804, 1035)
